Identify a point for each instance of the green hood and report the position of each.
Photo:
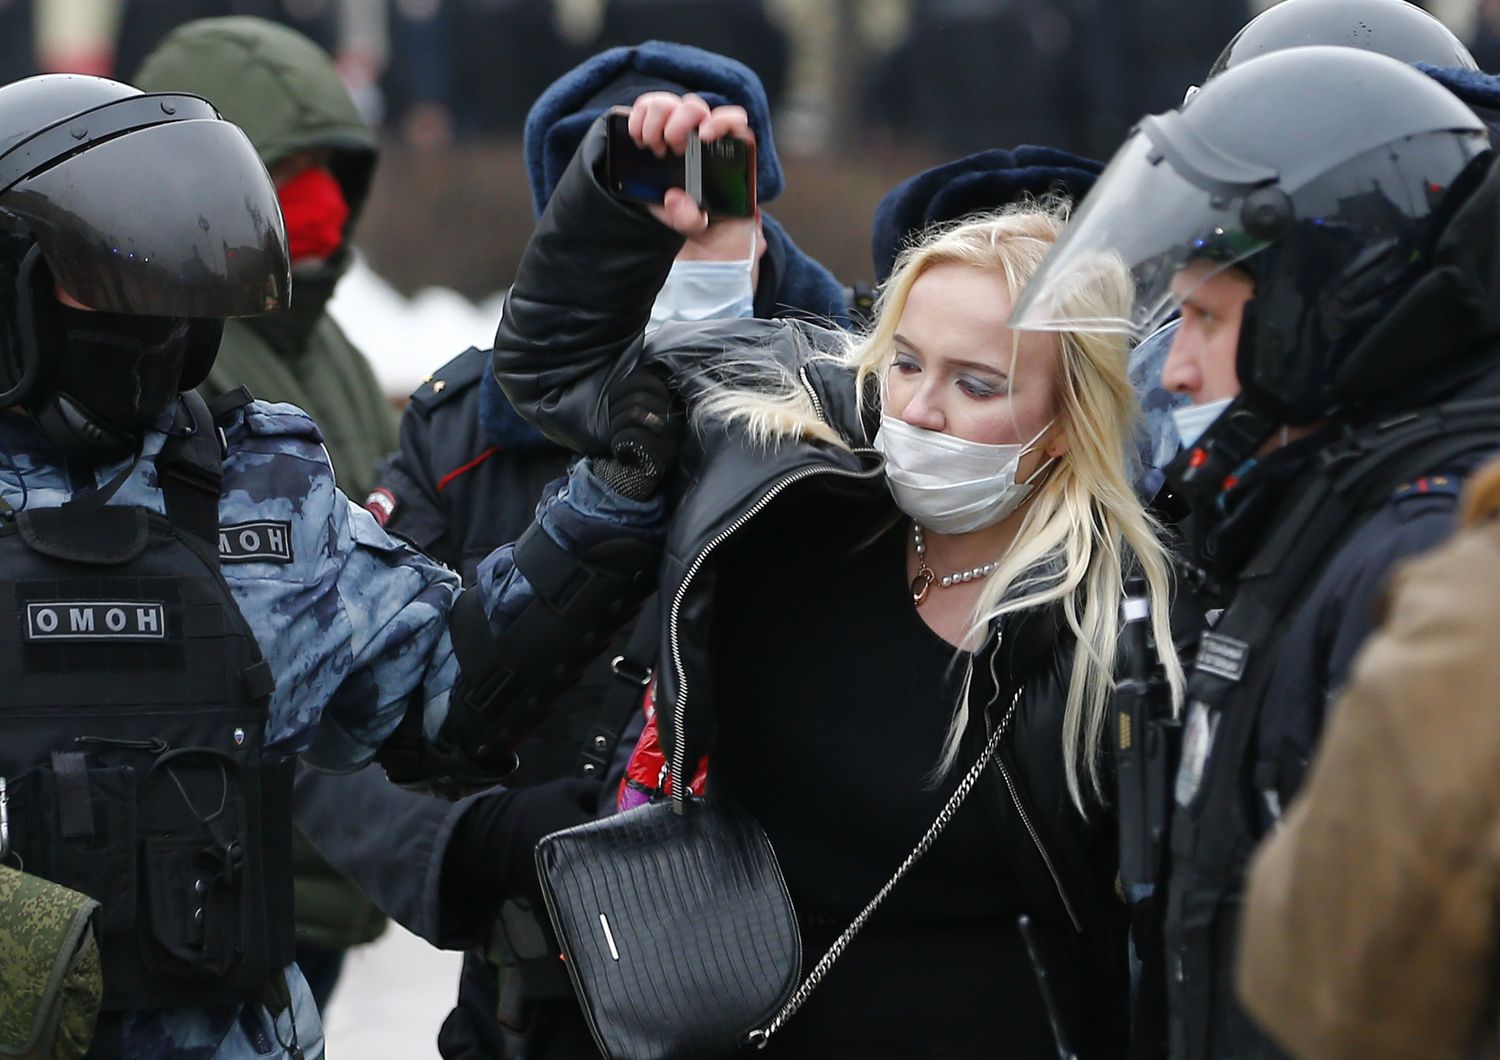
(274, 83)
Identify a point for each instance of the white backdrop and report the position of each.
(406, 338)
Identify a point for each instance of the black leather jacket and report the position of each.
(573, 321)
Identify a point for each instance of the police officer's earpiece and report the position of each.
(76, 431)
(1267, 213)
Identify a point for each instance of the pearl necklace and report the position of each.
(926, 577)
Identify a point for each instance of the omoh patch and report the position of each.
(260, 542)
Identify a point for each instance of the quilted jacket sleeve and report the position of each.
(574, 318)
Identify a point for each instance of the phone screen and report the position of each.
(719, 175)
(728, 178)
(634, 172)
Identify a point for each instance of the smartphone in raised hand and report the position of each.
(718, 176)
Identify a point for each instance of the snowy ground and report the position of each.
(406, 338)
(391, 1000)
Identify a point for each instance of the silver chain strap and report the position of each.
(760, 1037)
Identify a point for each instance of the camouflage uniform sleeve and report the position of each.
(355, 622)
(352, 621)
(394, 603)
(578, 512)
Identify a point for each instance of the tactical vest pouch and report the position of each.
(194, 847)
(50, 981)
(80, 832)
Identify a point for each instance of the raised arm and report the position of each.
(575, 315)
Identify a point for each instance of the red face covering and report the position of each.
(312, 203)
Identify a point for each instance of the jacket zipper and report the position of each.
(817, 402)
(679, 708)
(1015, 798)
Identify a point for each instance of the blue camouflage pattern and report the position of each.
(353, 627)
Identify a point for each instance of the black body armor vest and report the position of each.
(131, 728)
(1214, 834)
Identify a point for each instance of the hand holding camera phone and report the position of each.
(717, 174)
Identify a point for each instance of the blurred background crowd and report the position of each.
(865, 92)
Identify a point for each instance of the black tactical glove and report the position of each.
(644, 431)
(492, 852)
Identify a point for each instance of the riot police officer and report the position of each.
(1324, 219)
(193, 602)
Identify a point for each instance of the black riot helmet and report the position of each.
(1325, 175)
(151, 211)
(1387, 27)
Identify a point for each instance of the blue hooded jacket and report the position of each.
(791, 284)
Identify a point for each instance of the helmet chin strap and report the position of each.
(31, 276)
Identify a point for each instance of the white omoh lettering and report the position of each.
(81, 619)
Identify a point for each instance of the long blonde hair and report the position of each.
(1082, 526)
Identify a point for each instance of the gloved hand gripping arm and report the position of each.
(546, 606)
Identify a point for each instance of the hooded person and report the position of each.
(286, 94)
(791, 283)
(788, 283)
(467, 476)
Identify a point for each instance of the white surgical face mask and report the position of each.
(707, 290)
(1193, 420)
(951, 485)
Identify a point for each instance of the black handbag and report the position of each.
(677, 928)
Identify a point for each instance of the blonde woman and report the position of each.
(882, 549)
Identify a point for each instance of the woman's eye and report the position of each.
(976, 389)
(906, 366)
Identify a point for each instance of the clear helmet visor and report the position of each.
(204, 238)
(1122, 266)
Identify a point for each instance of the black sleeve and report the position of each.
(1326, 633)
(399, 864)
(574, 318)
